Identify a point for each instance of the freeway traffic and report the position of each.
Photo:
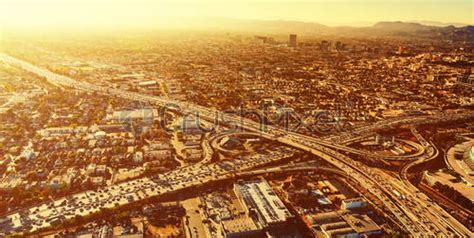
(417, 218)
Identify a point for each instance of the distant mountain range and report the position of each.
(420, 30)
(394, 29)
(282, 28)
(440, 24)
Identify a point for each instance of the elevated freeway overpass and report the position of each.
(417, 218)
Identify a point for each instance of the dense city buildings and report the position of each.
(243, 128)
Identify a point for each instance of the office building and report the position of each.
(293, 42)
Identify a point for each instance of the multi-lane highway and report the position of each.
(90, 202)
(417, 217)
(368, 130)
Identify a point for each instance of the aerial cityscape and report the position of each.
(239, 118)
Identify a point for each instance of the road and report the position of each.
(415, 217)
(90, 202)
(431, 153)
(458, 165)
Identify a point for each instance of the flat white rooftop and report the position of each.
(259, 195)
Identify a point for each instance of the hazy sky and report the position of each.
(138, 12)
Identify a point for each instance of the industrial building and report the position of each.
(261, 202)
(241, 227)
(343, 223)
(353, 203)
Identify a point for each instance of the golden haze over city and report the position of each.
(236, 118)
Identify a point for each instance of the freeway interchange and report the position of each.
(92, 202)
(415, 213)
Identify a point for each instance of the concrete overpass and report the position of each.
(417, 219)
